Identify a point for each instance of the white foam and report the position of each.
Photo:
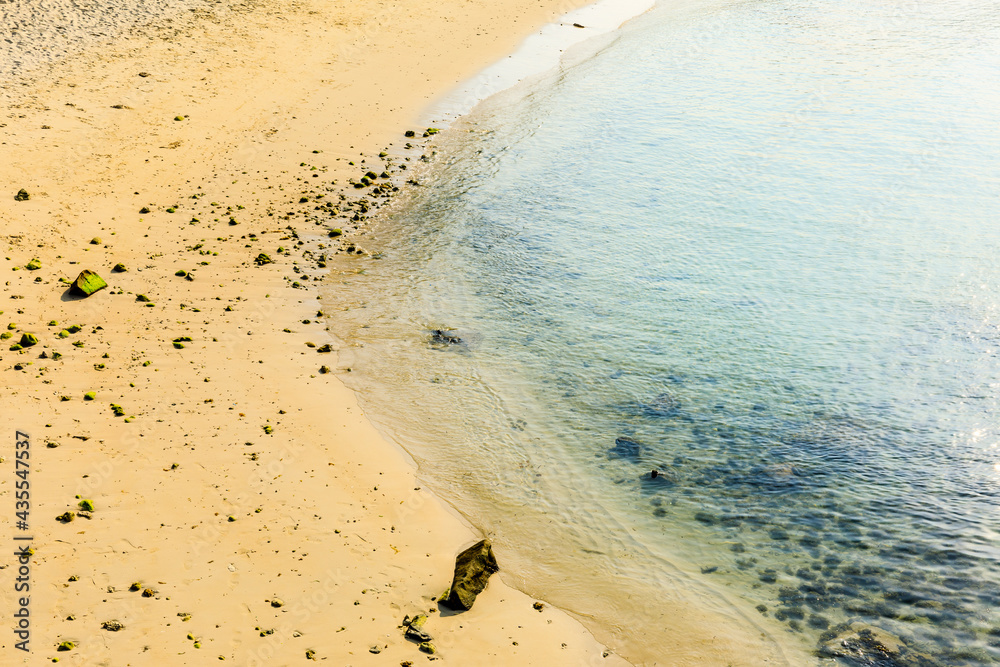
(539, 53)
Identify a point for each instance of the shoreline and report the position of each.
(205, 493)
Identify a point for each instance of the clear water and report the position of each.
(756, 244)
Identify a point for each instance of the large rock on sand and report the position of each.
(473, 568)
(87, 283)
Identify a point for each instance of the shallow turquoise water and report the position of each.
(753, 246)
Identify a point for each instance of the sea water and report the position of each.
(755, 247)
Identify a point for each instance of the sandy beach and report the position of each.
(244, 510)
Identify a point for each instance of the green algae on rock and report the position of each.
(88, 282)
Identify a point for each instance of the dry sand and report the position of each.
(238, 472)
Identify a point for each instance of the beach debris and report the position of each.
(408, 133)
(66, 646)
(178, 117)
(276, 602)
(118, 410)
(415, 628)
(66, 517)
(90, 395)
(135, 587)
(324, 348)
(310, 654)
(28, 339)
(22, 195)
(86, 505)
(579, 25)
(473, 568)
(538, 606)
(34, 264)
(428, 648)
(148, 593)
(87, 283)
(119, 268)
(376, 649)
(324, 369)
(112, 625)
(95, 241)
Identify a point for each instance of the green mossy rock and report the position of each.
(33, 265)
(66, 646)
(88, 282)
(22, 195)
(90, 395)
(95, 241)
(262, 259)
(28, 339)
(76, 328)
(87, 505)
(119, 268)
(473, 568)
(415, 629)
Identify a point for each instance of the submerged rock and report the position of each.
(445, 337)
(625, 449)
(663, 405)
(862, 644)
(88, 282)
(473, 568)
